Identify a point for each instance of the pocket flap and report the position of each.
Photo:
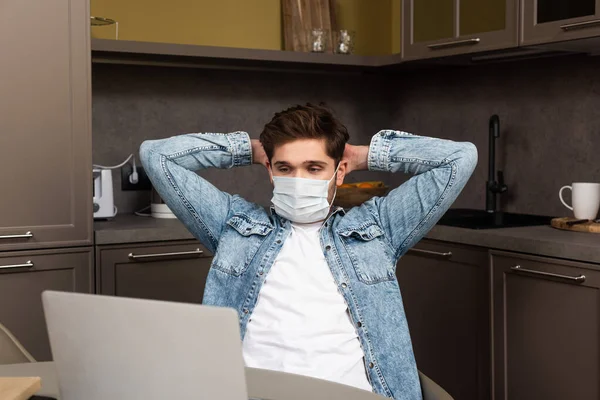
(367, 232)
(247, 226)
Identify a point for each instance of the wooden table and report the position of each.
(262, 384)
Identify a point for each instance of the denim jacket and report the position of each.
(362, 245)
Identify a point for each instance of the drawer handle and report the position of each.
(447, 254)
(576, 279)
(196, 252)
(27, 264)
(580, 25)
(456, 43)
(25, 235)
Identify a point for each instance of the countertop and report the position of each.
(538, 240)
(129, 228)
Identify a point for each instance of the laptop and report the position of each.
(120, 348)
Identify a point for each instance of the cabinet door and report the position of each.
(446, 294)
(174, 271)
(546, 328)
(23, 278)
(438, 28)
(547, 21)
(45, 133)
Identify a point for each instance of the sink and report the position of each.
(481, 219)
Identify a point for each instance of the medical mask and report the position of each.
(302, 200)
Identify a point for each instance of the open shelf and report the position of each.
(181, 55)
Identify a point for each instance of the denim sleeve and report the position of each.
(441, 169)
(170, 164)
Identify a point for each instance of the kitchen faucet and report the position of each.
(493, 187)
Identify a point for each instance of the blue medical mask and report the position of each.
(302, 200)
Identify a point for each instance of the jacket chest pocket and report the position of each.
(240, 240)
(371, 256)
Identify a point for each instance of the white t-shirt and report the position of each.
(301, 323)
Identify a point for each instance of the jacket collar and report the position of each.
(333, 210)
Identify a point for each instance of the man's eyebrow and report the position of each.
(281, 163)
(307, 162)
(315, 162)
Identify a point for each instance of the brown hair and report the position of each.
(305, 122)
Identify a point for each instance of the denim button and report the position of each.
(245, 311)
(344, 285)
(278, 241)
(359, 324)
(260, 273)
(327, 247)
(371, 365)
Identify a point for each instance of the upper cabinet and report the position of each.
(45, 124)
(547, 21)
(437, 28)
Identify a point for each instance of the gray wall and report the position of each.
(549, 113)
(549, 118)
(133, 103)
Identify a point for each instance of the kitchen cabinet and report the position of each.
(438, 28)
(446, 293)
(24, 275)
(172, 271)
(45, 133)
(546, 328)
(546, 21)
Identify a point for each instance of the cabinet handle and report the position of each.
(447, 254)
(576, 279)
(196, 252)
(580, 25)
(25, 235)
(456, 43)
(26, 264)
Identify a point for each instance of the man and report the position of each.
(314, 285)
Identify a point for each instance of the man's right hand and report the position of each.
(258, 153)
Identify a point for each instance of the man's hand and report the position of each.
(258, 153)
(356, 158)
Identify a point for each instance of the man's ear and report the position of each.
(268, 165)
(341, 174)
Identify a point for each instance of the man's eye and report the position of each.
(314, 169)
(283, 169)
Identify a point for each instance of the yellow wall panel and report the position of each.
(230, 23)
(237, 23)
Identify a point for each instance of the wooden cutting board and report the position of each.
(19, 388)
(568, 224)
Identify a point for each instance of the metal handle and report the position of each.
(580, 25)
(576, 279)
(25, 235)
(456, 43)
(196, 252)
(447, 254)
(27, 264)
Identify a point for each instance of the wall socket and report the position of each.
(143, 181)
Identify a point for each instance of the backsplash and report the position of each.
(549, 119)
(549, 113)
(134, 103)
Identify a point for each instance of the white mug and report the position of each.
(585, 198)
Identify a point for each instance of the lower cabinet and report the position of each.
(24, 275)
(546, 328)
(446, 294)
(171, 271)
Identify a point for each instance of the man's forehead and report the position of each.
(302, 151)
